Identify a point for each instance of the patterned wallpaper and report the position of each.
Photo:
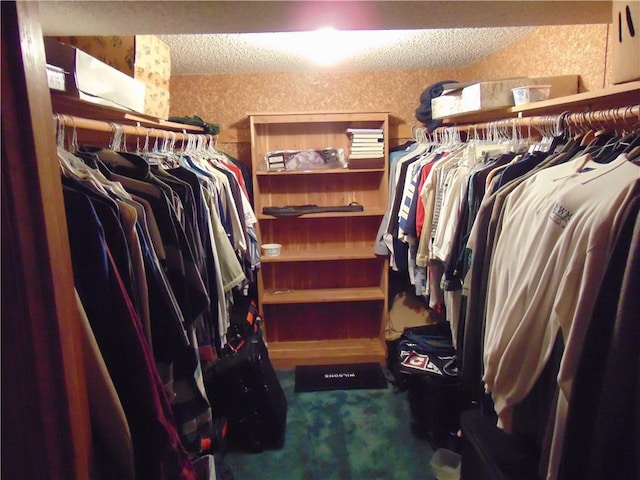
(569, 50)
(227, 99)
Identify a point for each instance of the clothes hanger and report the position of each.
(634, 155)
(630, 138)
(68, 165)
(75, 166)
(171, 158)
(600, 136)
(589, 133)
(560, 136)
(95, 174)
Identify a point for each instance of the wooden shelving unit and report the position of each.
(325, 297)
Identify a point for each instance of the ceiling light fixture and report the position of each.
(328, 46)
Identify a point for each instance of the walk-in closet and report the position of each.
(179, 196)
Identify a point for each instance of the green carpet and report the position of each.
(341, 435)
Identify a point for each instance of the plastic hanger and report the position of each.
(75, 167)
(634, 155)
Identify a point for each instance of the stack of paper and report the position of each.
(366, 143)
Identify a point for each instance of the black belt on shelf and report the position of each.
(297, 210)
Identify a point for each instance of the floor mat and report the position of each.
(316, 378)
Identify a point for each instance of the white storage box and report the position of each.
(490, 95)
(93, 81)
(446, 104)
(626, 41)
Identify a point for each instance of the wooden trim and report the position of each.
(321, 352)
(45, 418)
(323, 295)
(243, 135)
(63, 102)
(329, 113)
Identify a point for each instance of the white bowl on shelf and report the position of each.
(271, 249)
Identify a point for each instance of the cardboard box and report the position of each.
(116, 51)
(92, 80)
(490, 95)
(152, 60)
(152, 65)
(561, 85)
(446, 104)
(151, 78)
(626, 41)
(137, 56)
(469, 97)
(157, 102)
(143, 57)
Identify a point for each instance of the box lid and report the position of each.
(94, 81)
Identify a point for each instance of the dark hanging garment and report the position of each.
(158, 452)
(602, 437)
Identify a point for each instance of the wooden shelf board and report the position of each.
(586, 98)
(317, 171)
(313, 117)
(371, 212)
(68, 105)
(326, 352)
(610, 95)
(323, 295)
(321, 255)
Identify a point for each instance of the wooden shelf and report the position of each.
(321, 255)
(324, 295)
(367, 212)
(319, 171)
(62, 102)
(610, 97)
(326, 352)
(315, 117)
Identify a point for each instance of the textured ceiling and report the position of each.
(232, 36)
(415, 49)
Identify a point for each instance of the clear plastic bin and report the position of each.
(530, 93)
(446, 464)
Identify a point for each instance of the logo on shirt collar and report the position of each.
(560, 215)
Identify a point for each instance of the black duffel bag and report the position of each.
(427, 368)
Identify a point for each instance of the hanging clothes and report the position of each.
(514, 238)
(158, 451)
(539, 246)
(598, 444)
(154, 220)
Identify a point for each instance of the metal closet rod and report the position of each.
(589, 119)
(129, 130)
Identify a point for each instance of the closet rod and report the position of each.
(133, 130)
(577, 119)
